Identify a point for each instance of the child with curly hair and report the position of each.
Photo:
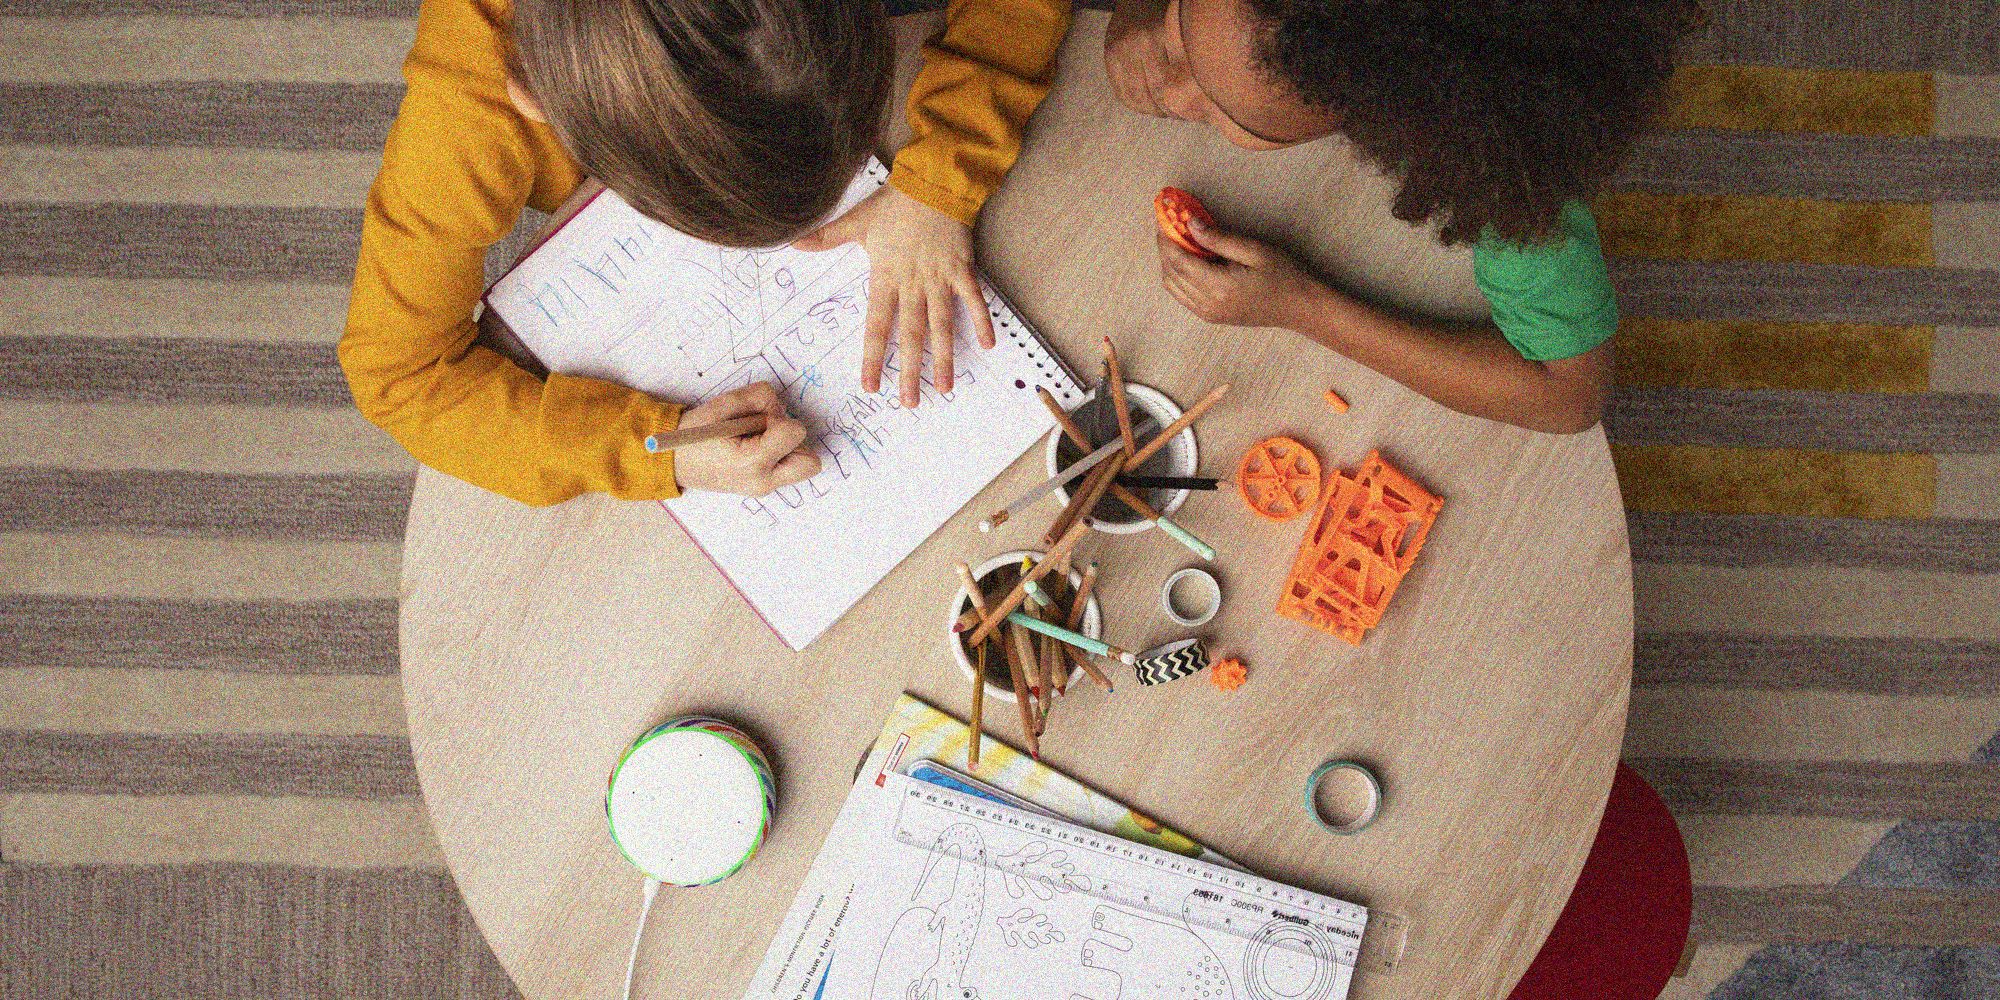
(1496, 116)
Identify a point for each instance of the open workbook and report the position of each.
(615, 295)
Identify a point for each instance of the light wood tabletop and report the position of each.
(536, 644)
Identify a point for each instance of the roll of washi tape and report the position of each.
(690, 801)
(1171, 662)
(1191, 597)
(1343, 796)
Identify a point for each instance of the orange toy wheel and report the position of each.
(1173, 208)
(1279, 478)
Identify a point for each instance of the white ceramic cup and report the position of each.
(1180, 456)
(1093, 621)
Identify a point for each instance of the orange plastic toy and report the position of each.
(1333, 399)
(1229, 674)
(1361, 543)
(1172, 208)
(1278, 478)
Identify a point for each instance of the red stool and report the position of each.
(1624, 931)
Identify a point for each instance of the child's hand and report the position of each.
(920, 272)
(1253, 285)
(754, 464)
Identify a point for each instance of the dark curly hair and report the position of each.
(1492, 113)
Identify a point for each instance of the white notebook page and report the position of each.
(617, 296)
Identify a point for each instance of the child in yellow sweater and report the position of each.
(738, 121)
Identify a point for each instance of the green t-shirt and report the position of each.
(1553, 301)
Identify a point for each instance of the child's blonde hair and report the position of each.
(736, 121)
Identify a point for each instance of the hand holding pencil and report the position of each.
(742, 441)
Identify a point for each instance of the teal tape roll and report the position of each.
(1370, 807)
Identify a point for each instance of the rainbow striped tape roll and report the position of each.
(689, 802)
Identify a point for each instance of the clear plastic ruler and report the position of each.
(1265, 914)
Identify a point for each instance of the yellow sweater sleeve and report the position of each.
(459, 166)
(981, 79)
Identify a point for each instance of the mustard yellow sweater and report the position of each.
(461, 164)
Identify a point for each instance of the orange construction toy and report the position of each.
(1361, 543)
(1333, 399)
(1278, 478)
(1173, 208)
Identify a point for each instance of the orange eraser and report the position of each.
(1333, 399)
(1172, 209)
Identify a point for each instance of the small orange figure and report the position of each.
(1358, 548)
(1172, 209)
(1278, 478)
(1333, 399)
(1229, 674)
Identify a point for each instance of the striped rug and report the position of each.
(205, 786)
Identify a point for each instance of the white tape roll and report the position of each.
(1191, 597)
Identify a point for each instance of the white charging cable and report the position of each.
(639, 934)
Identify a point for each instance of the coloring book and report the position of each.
(614, 295)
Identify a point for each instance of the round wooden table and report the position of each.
(537, 643)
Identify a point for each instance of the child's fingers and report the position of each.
(910, 346)
(1240, 249)
(851, 225)
(942, 336)
(975, 305)
(875, 337)
(781, 437)
(797, 467)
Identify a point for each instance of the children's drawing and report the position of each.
(1039, 870)
(617, 296)
(1097, 917)
(1026, 928)
(1132, 956)
(927, 949)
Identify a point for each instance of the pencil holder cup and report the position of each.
(998, 684)
(1097, 419)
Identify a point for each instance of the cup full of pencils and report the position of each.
(995, 577)
(1098, 420)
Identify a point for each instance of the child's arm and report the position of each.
(982, 77)
(459, 166)
(1469, 368)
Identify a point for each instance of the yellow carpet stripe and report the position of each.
(200, 701)
(1815, 600)
(1768, 98)
(282, 178)
(148, 48)
(257, 440)
(1748, 724)
(1636, 224)
(115, 308)
(64, 829)
(1776, 850)
(1751, 354)
(198, 569)
(1701, 479)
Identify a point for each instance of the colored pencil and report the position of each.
(1084, 500)
(1051, 484)
(1150, 448)
(977, 598)
(1124, 493)
(1116, 377)
(738, 427)
(1015, 672)
(1078, 605)
(1167, 482)
(1020, 592)
(1077, 639)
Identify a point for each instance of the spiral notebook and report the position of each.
(615, 295)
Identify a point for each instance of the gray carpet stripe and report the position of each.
(1805, 165)
(240, 932)
(1883, 666)
(179, 241)
(355, 767)
(268, 637)
(148, 502)
(1808, 913)
(1807, 292)
(210, 8)
(264, 115)
(1827, 421)
(1935, 544)
(1954, 35)
(1855, 790)
(161, 370)
(1838, 970)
